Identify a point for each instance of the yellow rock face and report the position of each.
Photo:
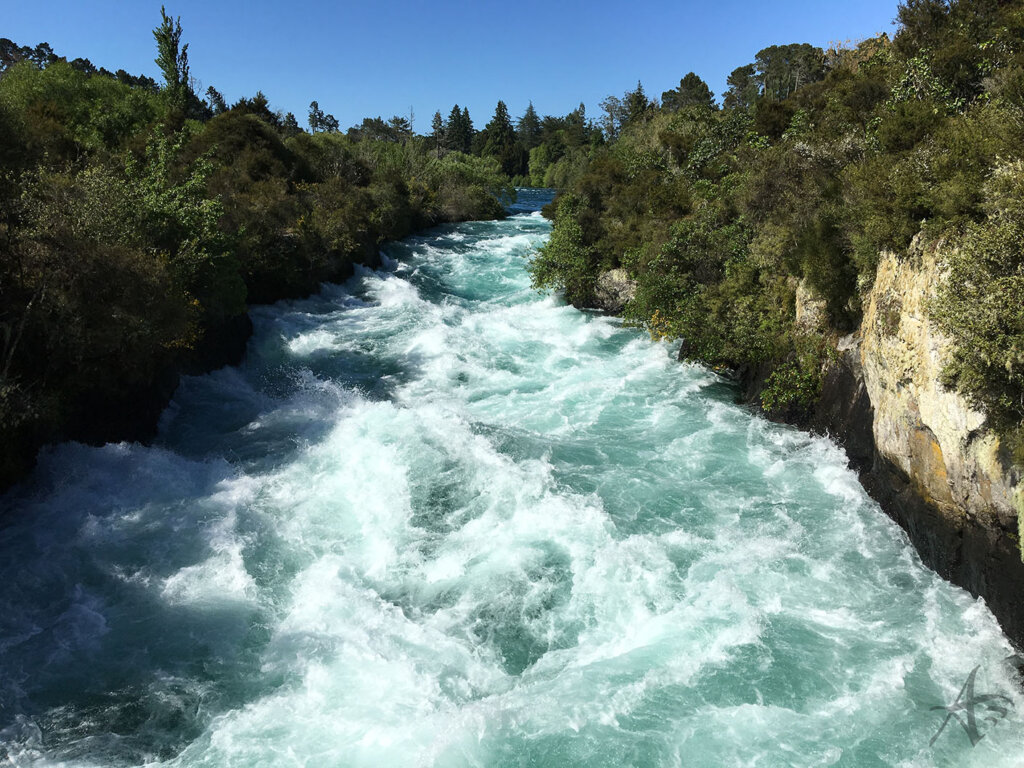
(930, 432)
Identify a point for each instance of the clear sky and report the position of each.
(363, 59)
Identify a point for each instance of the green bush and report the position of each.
(980, 306)
(564, 263)
(793, 386)
(66, 111)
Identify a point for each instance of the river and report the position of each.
(437, 519)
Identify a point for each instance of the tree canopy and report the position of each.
(692, 92)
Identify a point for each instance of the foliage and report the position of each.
(817, 163)
(172, 59)
(136, 226)
(793, 386)
(980, 306)
(64, 112)
(565, 263)
(692, 92)
(502, 143)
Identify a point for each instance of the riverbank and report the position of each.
(921, 451)
(929, 458)
(116, 412)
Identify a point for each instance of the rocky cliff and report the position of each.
(923, 452)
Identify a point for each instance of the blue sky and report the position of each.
(381, 58)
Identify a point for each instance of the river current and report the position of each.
(437, 519)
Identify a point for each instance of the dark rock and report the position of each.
(221, 345)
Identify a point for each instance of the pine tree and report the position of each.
(437, 131)
(329, 123)
(289, 125)
(42, 55)
(575, 131)
(528, 128)
(401, 128)
(744, 88)
(637, 104)
(502, 144)
(500, 127)
(216, 101)
(467, 130)
(460, 130)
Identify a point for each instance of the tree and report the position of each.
(452, 140)
(782, 69)
(437, 131)
(922, 25)
(10, 53)
(744, 88)
(575, 132)
(394, 130)
(401, 127)
(258, 106)
(316, 117)
(528, 128)
(956, 39)
(614, 117)
(42, 55)
(692, 92)
(137, 81)
(460, 130)
(329, 123)
(216, 101)
(172, 58)
(290, 126)
(501, 142)
(540, 159)
(637, 104)
(500, 127)
(467, 129)
(84, 66)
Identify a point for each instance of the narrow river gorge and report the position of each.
(435, 518)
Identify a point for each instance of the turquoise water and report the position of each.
(438, 519)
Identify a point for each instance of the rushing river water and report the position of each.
(438, 519)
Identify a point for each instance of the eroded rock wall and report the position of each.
(930, 432)
(923, 452)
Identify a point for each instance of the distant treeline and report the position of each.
(532, 151)
(138, 221)
(817, 162)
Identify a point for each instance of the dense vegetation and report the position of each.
(534, 152)
(816, 163)
(138, 221)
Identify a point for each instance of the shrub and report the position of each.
(980, 307)
(564, 263)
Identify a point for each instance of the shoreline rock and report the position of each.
(921, 451)
(613, 290)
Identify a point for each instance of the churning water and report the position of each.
(437, 519)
